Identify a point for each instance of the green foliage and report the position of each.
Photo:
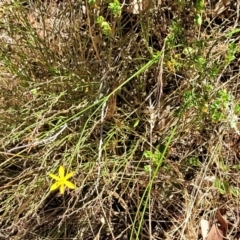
(147, 168)
(115, 7)
(155, 157)
(193, 161)
(91, 2)
(200, 6)
(236, 167)
(104, 25)
(237, 109)
(232, 32)
(224, 187)
(82, 100)
(189, 165)
(189, 98)
(213, 70)
(223, 167)
(231, 51)
(200, 62)
(147, 192)
(220, 106)
(198, 19)
(176, 32)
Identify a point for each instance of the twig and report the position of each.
(152, 120)
(42, 142)
(159, 77)
(100, 146)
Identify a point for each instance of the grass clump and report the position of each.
(139, 100)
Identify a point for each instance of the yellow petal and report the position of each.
(54, 176)
(61, 172)
(62, 189)
(69, 184)
(69, 175)
(54, 186)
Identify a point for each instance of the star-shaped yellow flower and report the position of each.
(61, 180)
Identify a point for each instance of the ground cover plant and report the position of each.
(119, 119)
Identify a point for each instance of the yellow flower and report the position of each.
(61, 180)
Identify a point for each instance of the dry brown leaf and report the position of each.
(218, 232)
(215, 233)
(223, 223)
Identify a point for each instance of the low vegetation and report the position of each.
(131, 107)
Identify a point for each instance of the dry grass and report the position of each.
(101, 105)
